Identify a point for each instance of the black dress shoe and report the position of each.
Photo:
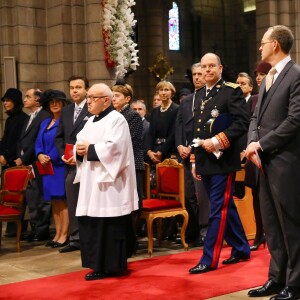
(288, 293)
(200, 268)
(49, 243)
(93, 276)
(269, 288)
(58, 245)
(69, 248)
(234, 259)
(38, 237)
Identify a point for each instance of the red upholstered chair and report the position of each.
(169, 200)
(14, 182)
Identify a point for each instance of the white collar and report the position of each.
(81, 104)
(279, 66)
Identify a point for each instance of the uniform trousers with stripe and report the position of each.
(224, 221)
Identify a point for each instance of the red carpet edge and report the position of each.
(164, 277)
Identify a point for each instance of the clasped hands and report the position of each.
(183, 151)
(154, 156)
(43, 158)
(82, 148)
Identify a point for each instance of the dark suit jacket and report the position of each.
(184, 127)
(67, 131)
(243, 138)
(229, 99)
(168, 147)
(135, 124)
(146, 126)
(28, 137)
(12, 132)
(250, 168)
(276, 125)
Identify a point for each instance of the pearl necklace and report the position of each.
(163, 109)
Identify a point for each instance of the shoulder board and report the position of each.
(232, 85)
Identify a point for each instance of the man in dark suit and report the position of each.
(184, 133)
(73, 118)
(39, 209)
(274, 134)
(246, 83)
(217, 158)
(140, 107)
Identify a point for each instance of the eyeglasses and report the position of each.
(209, 67)
(94, 98)
(263, 43)
(55, 101)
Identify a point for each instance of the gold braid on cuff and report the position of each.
(223, 140)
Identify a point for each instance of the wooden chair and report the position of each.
(14, 183)
(146, 187)
(245, 207)
(169, 200)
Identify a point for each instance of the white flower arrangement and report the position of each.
(118, 22)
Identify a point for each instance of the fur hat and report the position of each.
(263, 67)
(49, 95)
(13, 94)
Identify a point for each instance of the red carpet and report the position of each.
(164, 277)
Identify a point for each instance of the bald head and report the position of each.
(99, 98)
(211, 68)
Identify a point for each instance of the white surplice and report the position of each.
(108, 186)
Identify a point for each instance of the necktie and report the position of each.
(270, 78)
(207, 91)
(32, 116)
(77, 112)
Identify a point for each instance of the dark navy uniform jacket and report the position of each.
(224, 98)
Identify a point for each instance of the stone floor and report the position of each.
(36, 261)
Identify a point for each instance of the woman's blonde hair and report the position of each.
(124, 89)
(166, 84)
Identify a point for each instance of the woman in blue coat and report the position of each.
(53, 185)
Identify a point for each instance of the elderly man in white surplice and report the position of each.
(108, 193)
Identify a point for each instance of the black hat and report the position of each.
(13, 94)
(184, 92)
(48, 95)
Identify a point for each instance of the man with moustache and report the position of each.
(274, 135)
(73, 118)
(217, 158)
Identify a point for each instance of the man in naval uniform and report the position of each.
(108, 192)
(217, 158)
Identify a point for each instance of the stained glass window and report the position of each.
(174, 40)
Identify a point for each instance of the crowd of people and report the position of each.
(97, 144)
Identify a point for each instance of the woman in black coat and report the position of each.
(13, 104)
(160, 141)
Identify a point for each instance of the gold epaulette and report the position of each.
(232, 85)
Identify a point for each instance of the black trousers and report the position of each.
(105, 243)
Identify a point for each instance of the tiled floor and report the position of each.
(36, 261)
